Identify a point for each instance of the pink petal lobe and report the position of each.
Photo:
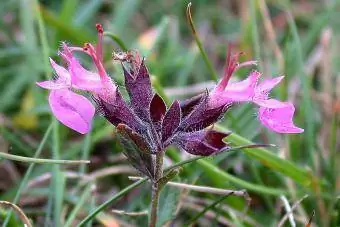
(279, 119)
(243, 90)
(63, 75)
(83, 79)
(270, 103)
(266, 86)
(63, 78)
(71, 109)
(51, 85)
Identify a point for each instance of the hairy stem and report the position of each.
(156, 189)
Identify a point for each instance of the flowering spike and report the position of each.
(143, 124)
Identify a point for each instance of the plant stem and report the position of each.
(156, 189)
(41, 160)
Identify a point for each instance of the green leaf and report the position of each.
(136, 150)
(217, 175)
(167, 205)
(271, 160)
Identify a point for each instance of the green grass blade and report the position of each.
(77, 35)
(306, 94)
(87, 11)
(85, 152)
(68, 9)
(80, 203)
(211, 206)
(43, 40)
(124, 11)
(109, 201)
(28, 173)
(16, 142)
(205, 57)
(162, 29)
(58, 179)
(254, 32)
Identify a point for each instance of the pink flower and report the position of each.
(71, 109)
(274, 114)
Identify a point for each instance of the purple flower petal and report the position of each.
(138, 85)
(119, 112)
(171, 120)
(202, 143)
(157, 108)
(279, 119)
(202, 115)
(71, 109)
(188, 105)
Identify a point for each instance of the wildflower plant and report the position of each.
(146, 126)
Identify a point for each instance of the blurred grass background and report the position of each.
(298, 39)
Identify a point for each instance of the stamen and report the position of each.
(86, 47)
(90, 50)
(99, 28)
(99, 46)
(228, 70)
